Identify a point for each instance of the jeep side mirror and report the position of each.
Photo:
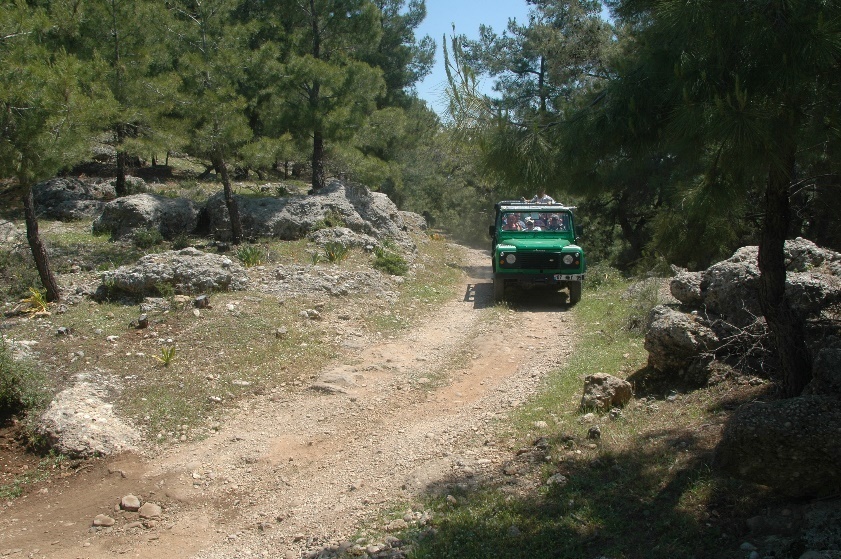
(491, 230)
(579, 231)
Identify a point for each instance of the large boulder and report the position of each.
(68, 199)
(675, 339)
(360, 210)
(170, 216)
(686, 288)
(80, 424)
(603, 392)
(731, 288)
(789, 445)
(187, 271)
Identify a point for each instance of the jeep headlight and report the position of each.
(510, 258)
(569, 259)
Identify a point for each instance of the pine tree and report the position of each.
(753, 88)
(327, 89)
(211, 56)
(48, 109)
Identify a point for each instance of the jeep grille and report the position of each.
(539, 260)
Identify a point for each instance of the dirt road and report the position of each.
(295, 472)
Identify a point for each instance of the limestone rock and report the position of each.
(826, 372)
(103, 521)
(130, 503)
(170, 216)
(293, 217)
(80, 424)
(674, 339)
(188, 271)
(68, 198)
(603, 391)
(686, 288)
(150, 510)
(790, 445)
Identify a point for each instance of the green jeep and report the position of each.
(534, 245)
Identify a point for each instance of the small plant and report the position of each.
(167, 355)
(147, 238)
(390, 262)
(37, 301)
(167, 291)
(180, 241)
(331, 219)
(250, 255)
(315, 258)
(336, 251)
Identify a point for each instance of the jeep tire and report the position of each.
(574, 292)
(499, 290)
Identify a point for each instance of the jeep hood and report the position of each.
(533, 243)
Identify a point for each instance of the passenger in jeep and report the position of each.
(511, 223)
(555, 224)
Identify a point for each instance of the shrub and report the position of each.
(331, 219)
(22, 388)
(147, 238)
(390, 262)
(180, 241)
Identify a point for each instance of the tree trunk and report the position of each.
(314, 101)
(230, 201)
(39, 253)
(120, 187)
(318, 178)
(786, 327)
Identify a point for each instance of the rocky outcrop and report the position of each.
(79, 424)
(343, 236)
(603, 392)
(730, 289)
(187, 271)
(170, 216)
(790, 445)
(69, 199)
(294, 217)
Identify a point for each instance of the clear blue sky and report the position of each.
(467, 15)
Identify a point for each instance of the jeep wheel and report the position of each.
(574, 292)
(499, 289)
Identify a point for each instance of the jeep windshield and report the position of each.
(525, 221)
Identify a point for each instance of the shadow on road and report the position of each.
(527, 300)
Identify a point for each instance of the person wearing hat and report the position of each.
(530, 225)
